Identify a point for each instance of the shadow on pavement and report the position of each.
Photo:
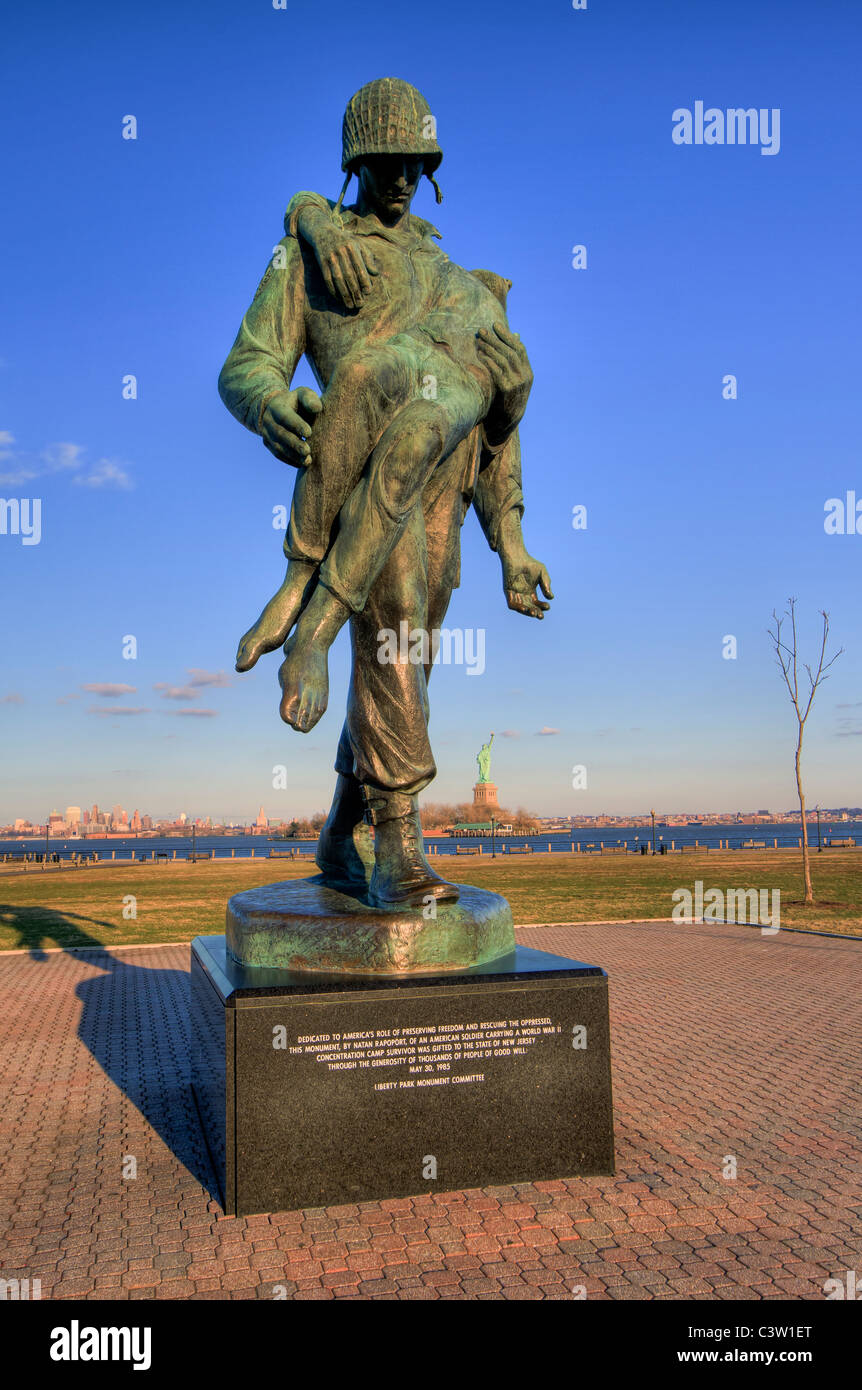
(135, 1021)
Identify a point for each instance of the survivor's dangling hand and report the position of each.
(522, 576)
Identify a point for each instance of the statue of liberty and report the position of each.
(483, 758)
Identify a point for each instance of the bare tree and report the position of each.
(788, 660)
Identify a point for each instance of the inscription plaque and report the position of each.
(318, 1090)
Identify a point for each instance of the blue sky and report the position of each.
(703, 514)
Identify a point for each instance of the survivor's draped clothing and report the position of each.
(398, 454)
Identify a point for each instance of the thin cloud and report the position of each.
(13, 698)
(18, 475)
(175, 692)
(851, 728)
(108, 690)
(196, 713)
(546, 731)
(16, 479)
(21, 471)
(58, 457)
(199, 677)
(105, 713)
(510, 733)
(62, 457)
(106, 473)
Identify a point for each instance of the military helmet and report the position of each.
(389, 116)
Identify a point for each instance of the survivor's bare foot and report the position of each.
(304, 678)
(277, 618)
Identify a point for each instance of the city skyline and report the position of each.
(118, 821)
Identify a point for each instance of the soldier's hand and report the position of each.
(346, 263)
(522, 575)
(287, 423)
(505, 358)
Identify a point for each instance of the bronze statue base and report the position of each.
(318, 1090)
(303, 925)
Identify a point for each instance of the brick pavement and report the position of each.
(726, 1043)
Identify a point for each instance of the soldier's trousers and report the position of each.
(385, 741)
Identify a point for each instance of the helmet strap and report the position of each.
(438, 195)
(336, 212)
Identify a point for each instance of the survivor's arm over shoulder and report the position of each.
(346, 262)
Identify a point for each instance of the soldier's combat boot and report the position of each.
(402, 876)
(345, 854)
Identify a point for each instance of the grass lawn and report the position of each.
(176, 901)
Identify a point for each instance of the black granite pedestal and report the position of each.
(318, 1090)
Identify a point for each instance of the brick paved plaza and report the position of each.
(725, 1042)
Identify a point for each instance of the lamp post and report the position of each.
(47, 834)
(652, 813)
(493, 839)
(819, 842)
(194, 837)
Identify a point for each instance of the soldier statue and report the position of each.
(422, 387)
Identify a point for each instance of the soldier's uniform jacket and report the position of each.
(419, 290)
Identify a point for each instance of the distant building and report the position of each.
(261, 821)
(73, 815)
(479, 827)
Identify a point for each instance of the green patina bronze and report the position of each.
(483, 758)
(423, 386)
(308, 925)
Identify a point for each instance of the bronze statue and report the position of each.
(422, 388)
